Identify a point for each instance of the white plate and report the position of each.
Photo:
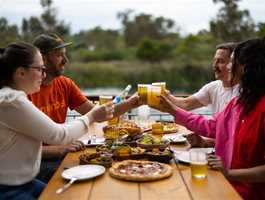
(82, 172)
(184, 156)
(175, 138)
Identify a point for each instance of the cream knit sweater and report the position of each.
(23, 128)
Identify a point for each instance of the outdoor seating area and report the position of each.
(132, 100)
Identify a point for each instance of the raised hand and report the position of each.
(134, 101)
(166, 105)
(101, 113)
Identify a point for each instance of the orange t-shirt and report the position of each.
(56, 98)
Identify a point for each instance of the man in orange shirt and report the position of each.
(57, 94)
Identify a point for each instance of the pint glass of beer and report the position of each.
(162, 85)
(198, 164)
(103, 100)
(142, 92)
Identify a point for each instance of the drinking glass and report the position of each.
(198, 164)
(142, 91)
(103, 100)
(158, 130)
(153, 96)
(162, 85)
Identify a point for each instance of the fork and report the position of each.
(63, 188)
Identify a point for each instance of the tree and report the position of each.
(144, 26)
(46, 22)
(153, 51)
(261, 29)
(232, 24)
(8, 33)
(98, 39)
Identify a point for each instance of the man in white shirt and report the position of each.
(216, 93)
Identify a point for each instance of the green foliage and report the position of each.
(8, 33)
(261, 30)
(85, 55)
(232, 24)
(147, 49)
(153, 51)
(118, 74)
(46, 22)
(195, 49)
(144, 26)
(99, 39)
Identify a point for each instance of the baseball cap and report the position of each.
(48, 42)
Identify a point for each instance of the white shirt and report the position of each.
(23, 127)
(216, 95)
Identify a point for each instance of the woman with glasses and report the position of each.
(23, 127)
(239, 129)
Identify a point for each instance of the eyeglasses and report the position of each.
(41, 69)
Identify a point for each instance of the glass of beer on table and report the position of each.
(104, 99)
(198, 164)
(158, 130)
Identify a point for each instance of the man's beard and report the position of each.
(53, 71)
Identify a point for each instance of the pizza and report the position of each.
(136, 170)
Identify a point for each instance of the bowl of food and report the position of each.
(95, 158)
(124, 128)
(148, 141)
(164, 155)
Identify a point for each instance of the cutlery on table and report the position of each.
(63, 188)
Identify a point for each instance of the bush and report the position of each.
(84, 55)
(153, 51)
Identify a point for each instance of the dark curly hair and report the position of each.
(15, 55)
(250, 55)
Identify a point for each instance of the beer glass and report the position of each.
(198, 164)
(103, 100)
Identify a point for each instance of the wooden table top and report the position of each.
(179, 186)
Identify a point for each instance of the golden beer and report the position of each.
(103, 100)
(111, 133)
(199, 170)
(153, 96)
(162, 85)
(198, 164)
(142, 91)
(158, 130)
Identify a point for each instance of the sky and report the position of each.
(190, 15)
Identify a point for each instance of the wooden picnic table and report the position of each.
(179, 186)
